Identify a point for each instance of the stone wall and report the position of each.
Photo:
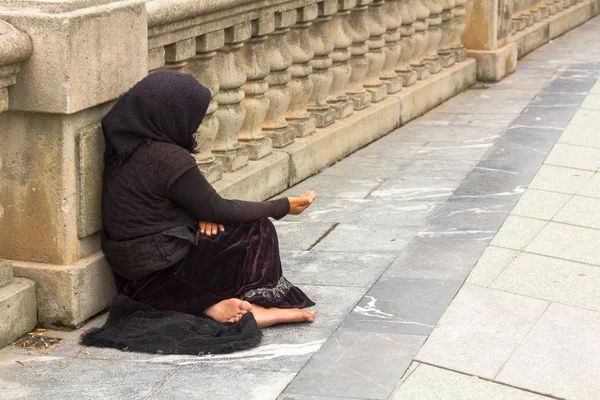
(296, 85)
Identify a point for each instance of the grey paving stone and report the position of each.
(480, 330)
(581, 136)
(421, 170)
(559, 100)
(560, 179)
(397, 213)
(546, 117)
(583, 211)
(443, 257)
(471, 213)
(486, 120)
(533, 136)
(568, 242)
(300, 235)
(331, 210)
(493, 261)
(435, 119)
(367, 167)
(513, 157)
(431, 383)
(67, 378)
(425, 190)
(383, 150)
(517, 232)
(330, 186)
(588, 118)
(560, 356)
(453, 151)
(404, 305)
(591, 188)
(366, 238)
(571, 156)
(338, 269)
(486, 103)
(592, 102)
(363, 364)
(295, 396)
(485, 182)
(552, 279)
(233, 382)
(453, 133)
(540, 204)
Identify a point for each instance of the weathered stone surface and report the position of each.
(68, 295)
(90, 146)
(494, 65)
(81, 59)
(6, 272)
(17, 309)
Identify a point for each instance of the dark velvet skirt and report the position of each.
(242, 262)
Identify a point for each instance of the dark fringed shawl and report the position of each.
(134, 326)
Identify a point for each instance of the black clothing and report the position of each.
(133, 326)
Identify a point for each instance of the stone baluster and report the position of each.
(543, 7)
(256, 66)
(201, 67)
(518, 22)
(301, 85)
(552, 7)
(339, 29)
(408, 15)
(156, 58)
(230, 71)
(358, 61)
(535, 11)
(376, 56)
(421, 40)
(434, 30)
(177, 54)
(446, 57)
(279, 55)
(526, 15)
(392, 49)
(322, 77)
(459, 51)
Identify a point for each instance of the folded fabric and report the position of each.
(134, 326)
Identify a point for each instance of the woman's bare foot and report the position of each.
(271, 316)
(230, 310)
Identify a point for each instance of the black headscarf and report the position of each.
(165, 106)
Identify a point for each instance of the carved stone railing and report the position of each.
(282, 70)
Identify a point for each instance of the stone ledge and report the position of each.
(494, 65)
(67, 295)
(541, 32)
(17, 309)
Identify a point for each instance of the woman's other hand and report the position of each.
(299, 204)
(210, 228)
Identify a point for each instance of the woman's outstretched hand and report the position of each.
(210, 228)
(299, 204)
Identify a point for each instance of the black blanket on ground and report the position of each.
(134, 326)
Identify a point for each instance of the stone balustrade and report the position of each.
(296, 85)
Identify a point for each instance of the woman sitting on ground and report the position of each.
(171, 240)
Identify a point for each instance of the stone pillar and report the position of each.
(447, 26)
(85, 55)
(421, 40)
(301, 85)
(375, 55)
(488, 43)
(279, 55)
(201, 67)
(408, 15)
(392, 49)
(358, 61)
(435, 35)
(256, 104)
(230, 71)
(322, 77)
(339, 29)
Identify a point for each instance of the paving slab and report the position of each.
(572, 156)
(582, 211)
(404, 305)
(587, 118)
(480, 330)
(427, 190)
(356, 362)
(591, 188)
(471, 213)
(366, 238)
(334, 268)
(540, 204)
(431, 383)
(581, 136)
(568, 242)
(300, 235)
(331, 186)
(560, 179)
(551, 279)
(591, 102)
(517, 232)
(560, 356)
(493, 261)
